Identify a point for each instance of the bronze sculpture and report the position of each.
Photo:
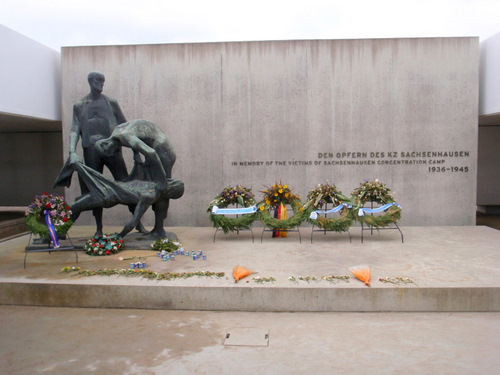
(100, 123)
(145, 138)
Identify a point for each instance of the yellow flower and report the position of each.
(262, 208)
(268, 201)
(280, 191)
(275, 194)
(279, 186)
(285, 186)
(287, 195)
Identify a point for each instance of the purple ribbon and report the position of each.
(52, 230)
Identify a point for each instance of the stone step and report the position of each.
(245, 298)
(453, 269)
(12, 227)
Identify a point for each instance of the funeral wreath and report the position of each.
(274, 196)
(321, 196)
(236, 195)
(102, 245)
(374, 191)
(58, 211)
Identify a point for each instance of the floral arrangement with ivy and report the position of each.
(58, 209)
(322, 195)
(372, 191)
(376, 192)
(102, 245)
(165, 244)
(232, 195)
(236, 194)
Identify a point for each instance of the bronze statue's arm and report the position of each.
(74, 135)
(151, 156)
(117, 111)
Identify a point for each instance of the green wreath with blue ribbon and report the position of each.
(319, 197)
(232, 195)
(377, 192)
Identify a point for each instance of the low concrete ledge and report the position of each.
(12, 221)
(12, 227)
(246, 298)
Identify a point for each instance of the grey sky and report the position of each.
(57, 23)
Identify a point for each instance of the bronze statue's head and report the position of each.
(96, 81)
(107, 147)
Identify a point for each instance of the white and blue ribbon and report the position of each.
(364, 210)
(234, 211)
(314, 214)
(52, 230)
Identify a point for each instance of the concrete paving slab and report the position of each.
(40, 340)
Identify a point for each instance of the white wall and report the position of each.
(30, 77)
(489, 81)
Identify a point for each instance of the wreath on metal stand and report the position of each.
(233, 195)
(58, 210)
(325, 194)
(274, 196)
(375, 192)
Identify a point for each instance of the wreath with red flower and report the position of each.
(103, 245)
(58, 209)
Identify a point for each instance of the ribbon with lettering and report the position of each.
(364, 210)
(52, 230)
(314, 214)
(234, 211)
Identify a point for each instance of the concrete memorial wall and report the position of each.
(302, 112)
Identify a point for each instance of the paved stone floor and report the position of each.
(63, 340)
(41, 340)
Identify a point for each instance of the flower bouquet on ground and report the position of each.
(233, 195)
(375, 191)
(165, 244)
(58, 211)
(102, 245)
(278, 196)
(322, 195)
(362, 273)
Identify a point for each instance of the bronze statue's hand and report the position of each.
(137, 158)
(74, 158)
(163, 186)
